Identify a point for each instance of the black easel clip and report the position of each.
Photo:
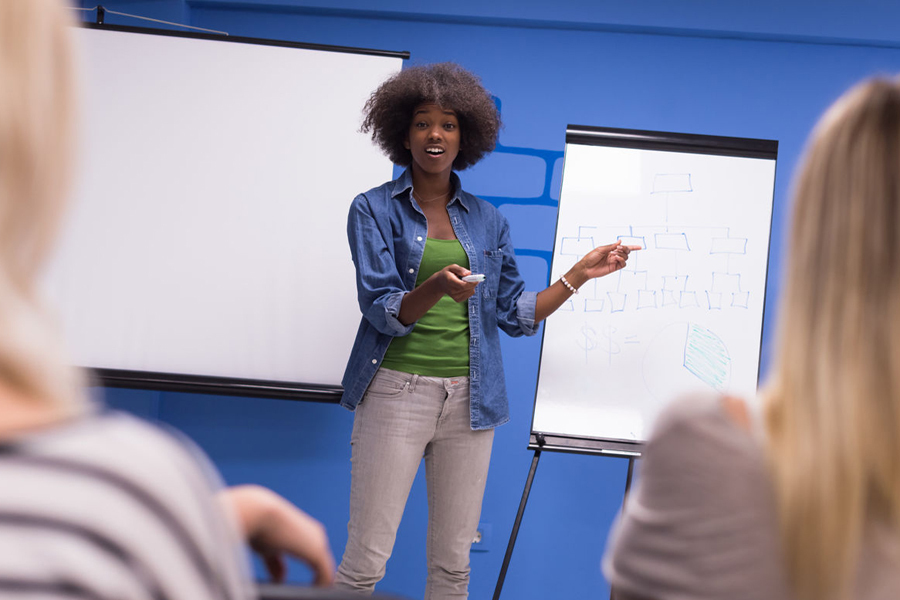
(101, 14)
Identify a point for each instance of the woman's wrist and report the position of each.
(576, 276)
(568, 285)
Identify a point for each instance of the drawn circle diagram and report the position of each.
(683, 357)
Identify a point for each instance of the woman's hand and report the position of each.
(604, 260)
(451, 284)
(446, 282)
(600, 261)
(274, 527)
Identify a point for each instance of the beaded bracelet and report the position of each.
(568, 285)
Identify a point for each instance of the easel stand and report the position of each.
(539, 444)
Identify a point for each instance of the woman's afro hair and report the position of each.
(389, 110)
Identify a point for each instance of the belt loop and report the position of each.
(412, 382)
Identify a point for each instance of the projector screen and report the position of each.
(206, 246)
(686, 312)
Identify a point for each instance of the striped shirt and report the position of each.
(111, 507)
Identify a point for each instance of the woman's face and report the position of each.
(433, 138)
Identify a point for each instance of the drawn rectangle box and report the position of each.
(672, 182)
(672, 241)
(728, 246)
(593, 304)
(633, 240)
(578, 246)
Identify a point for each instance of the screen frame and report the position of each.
(645, 140)
(203, 384)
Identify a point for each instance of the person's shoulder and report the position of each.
(157, 506)
(389, 188)
(702, 425)
(118, 425)
(379, 200)
(147, 460)
(483, 211)
(385, 190)
(480, 204)
(696, 410)
(117, 442)
(701, 517)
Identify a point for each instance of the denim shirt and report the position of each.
(387, 232)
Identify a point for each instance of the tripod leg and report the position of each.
(628, 477)
(515, 529)
(627, 489)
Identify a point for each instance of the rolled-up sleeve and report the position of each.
(379, 287)
(525, 307)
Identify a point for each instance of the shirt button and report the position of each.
(419, 238)
(374, 361)
(412, 270)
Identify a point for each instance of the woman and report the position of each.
(805, 503)
(425, 375)
(96, 504)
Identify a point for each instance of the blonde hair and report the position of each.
(36, 148)
(833, 406)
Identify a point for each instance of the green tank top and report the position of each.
(438, 345)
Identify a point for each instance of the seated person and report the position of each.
(803, 502)
(96, 504)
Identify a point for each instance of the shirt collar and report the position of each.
(403, 188)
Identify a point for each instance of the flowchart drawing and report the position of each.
(632, 280)
(617, 301)
(576, 246)
(646, 299)
(633, 240)
(672, 241)
(682, 314)
(673, 255)
(593, 305)
(675, 283)
(740, 299)
(688, 300)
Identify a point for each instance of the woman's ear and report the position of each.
(406, 142)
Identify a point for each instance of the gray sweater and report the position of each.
(701, 521)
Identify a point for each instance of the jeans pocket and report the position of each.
(388, 383)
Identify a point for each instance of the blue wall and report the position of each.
(759, 69)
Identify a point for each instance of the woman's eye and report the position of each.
(450, 126)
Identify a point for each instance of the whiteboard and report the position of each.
(686, 312)
(207, 237)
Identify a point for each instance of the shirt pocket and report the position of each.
(493, 264)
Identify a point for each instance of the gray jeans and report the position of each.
(402, 418)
